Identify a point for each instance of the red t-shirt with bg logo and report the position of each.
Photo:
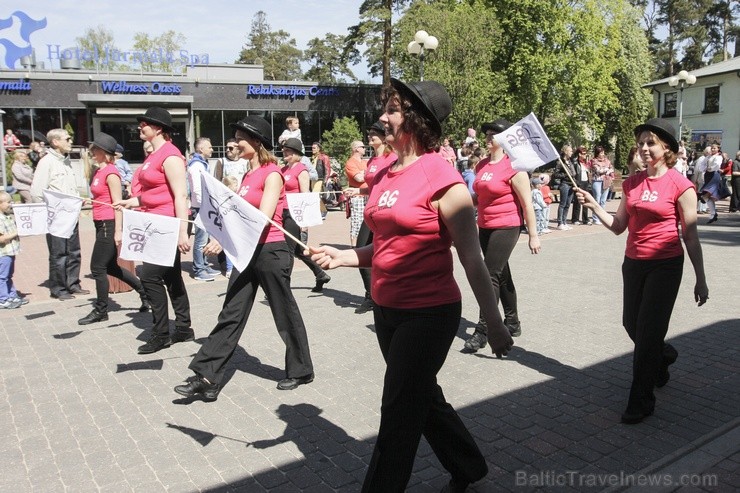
(498, 205)
(253, 188)
(100, 192)
(412, 261)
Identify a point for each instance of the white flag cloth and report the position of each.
(149, 238)
(62, 213)
(232, 221)
(304, 209)
(526, 144)
(30, 219)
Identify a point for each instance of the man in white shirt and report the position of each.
(54, 172)
(700, 168)
(197, 165)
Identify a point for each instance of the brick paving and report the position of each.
(81, 411)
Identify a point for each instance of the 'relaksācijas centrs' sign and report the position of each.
(290, 92)
(123, 87)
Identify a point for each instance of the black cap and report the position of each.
(377, 128)
(431, 97)
(105, 142)
(257, 127)
(496, 126)
(662, 129)
(294, 145)
(159, 117)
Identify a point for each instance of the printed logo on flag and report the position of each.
(30, 219)
(304, 208)
(149, 238)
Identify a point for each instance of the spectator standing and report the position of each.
(711, 191)
(565, 188)
(124, 171)
(447, 151)
(197, 165)
(355, 169)
(34, 153)
(654, 203)
(232, 164)
(700, 171)
(547, 197)
(735, 183)
(10, 246)
(602, 173)
(538, 204)
(583, 180)
(22, 175)
(54, 172)
(11, 141)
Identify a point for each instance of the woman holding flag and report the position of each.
(163, 192)
(418, 206)
(504, 205)
(297, 180)
(269, 268)
(105, 189)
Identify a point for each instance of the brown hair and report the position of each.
(415, 121)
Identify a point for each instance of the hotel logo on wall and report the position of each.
(290, 92)
(15, 36)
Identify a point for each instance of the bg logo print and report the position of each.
(25, 26)
(221, 207)
(140, 236)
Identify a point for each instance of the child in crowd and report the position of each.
(538, 202)
(10, 246)
(292, 132)
(233, 184)
(547, 196)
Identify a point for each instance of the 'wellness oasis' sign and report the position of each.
(123, 87)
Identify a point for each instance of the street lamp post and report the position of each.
(681, 80)
(422, 41)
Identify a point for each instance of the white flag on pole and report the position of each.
(304, 208)
(149, 238)
(527, 144)
(30, 219)
(232, 221)
(62, 213)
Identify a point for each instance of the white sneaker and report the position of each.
(546, 231)
(228, 274)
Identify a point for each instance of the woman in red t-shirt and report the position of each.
(504, 200)
(269, 269)
(653, 203)
(105, 188)
(417, 207)
(163, 190)
(297, 180)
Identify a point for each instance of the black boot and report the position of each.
(93, 317)
(320, 281)
(367, 304)
(146, 305)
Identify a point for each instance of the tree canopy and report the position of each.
(275, 50)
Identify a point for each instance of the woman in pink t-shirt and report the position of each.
(105, 188)
(655, 201)
(162, 190)
(418, 206)
(504, 200)
(297, 180)
(269, 269)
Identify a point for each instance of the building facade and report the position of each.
(202, 102)
(710, 112)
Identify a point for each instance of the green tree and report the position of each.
(375, 32)
(159, 54)
(276, 51)
(336, 141)
(325, 57)
(98, 38)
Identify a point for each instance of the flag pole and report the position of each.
(567, 172)
(305, 247)
(114, 207)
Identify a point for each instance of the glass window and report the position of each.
(670, 101)
(711, 100)
(75, 122)
(208, 124)
(19, 121)
(45, 120)
(231, 117)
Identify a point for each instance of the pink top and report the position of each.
(253, 188)
(100, 192)
(290, 175)
(652, 206)
(412, 262)
(498, 205)
(156, 195)
(376, 164)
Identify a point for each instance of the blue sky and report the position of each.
(216, 27)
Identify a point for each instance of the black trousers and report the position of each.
(65, 259)
(414, 344)
(296, 250)
(497, 245)
(735, 197)
(364, 238)
(104, 263)
(650, 290)
(578, 210)
(269, 269)
(158, 281)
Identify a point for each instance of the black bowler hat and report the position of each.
(496, 126)
(256, 126)
(105, 142)
(662, 129)
(431, 96)
(377, 128)
(294, 145)
(159, 117)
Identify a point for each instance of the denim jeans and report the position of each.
(599, 192)
(566, 196)
(7, 266)
(199, 242)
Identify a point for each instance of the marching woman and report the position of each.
(297, 180)
(710, 192)
(270, 268)
(105, 188)
(163, 191)
(417, 207)
(504, 205)
(655, 201)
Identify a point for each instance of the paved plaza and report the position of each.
(80, 410)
